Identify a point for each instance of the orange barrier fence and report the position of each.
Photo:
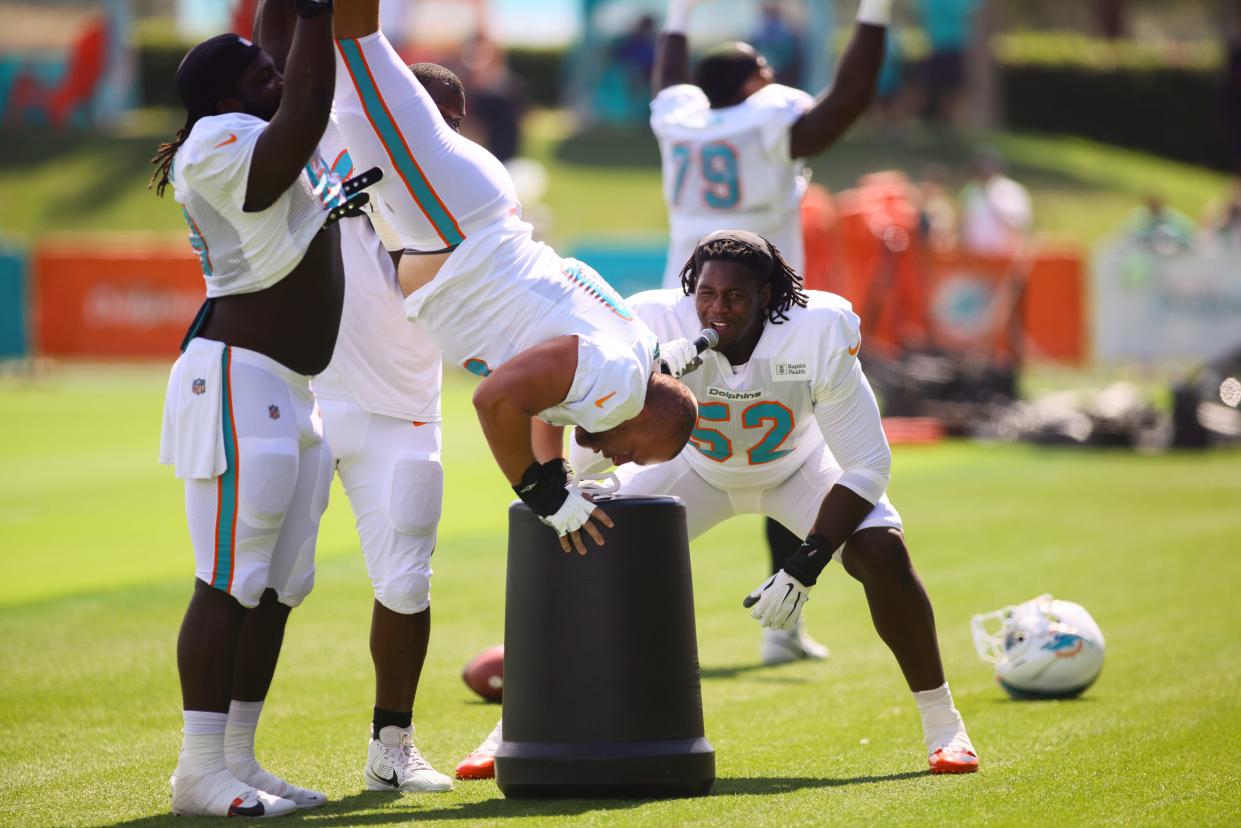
(114, 301)
(866, 246)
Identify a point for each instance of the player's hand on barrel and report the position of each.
(591, 529)
(777, 602)
(575, 515)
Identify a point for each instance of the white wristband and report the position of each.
(875, 12)
(677, 19)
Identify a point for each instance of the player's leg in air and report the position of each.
(550, 338)
(379, 399)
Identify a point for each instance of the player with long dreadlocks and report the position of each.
(788, 428)
(734, 145)
(240, 425)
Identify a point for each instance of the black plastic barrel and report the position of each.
(602, 696)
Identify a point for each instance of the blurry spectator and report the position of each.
(635, 52)
(776, 40)
(996, 212)
(937, 218)
(949, 25)
(1160, 228)
(1222, 219)
(1111, 18)
(1232, 98)
(496, 98)
(890, 103)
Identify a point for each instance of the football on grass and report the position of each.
(484, 674)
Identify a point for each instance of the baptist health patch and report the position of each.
(789, 370)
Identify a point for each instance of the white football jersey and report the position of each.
(501, 293)
(383, 362)
(756, 424)
(245, 252)
(730, 169)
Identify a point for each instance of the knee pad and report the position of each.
(267, 476)
(417, 495)
(407, 593)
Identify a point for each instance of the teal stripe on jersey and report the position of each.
(377, 113)
(226, 515)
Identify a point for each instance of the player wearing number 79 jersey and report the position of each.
(788, 428)
(733, 142)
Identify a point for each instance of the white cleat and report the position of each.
(781, 646)
(394, 764)
(263, 780)
(219, 793)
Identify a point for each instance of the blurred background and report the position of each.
(1105, 309)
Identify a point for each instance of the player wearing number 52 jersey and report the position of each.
(788, 428)
(733, 142)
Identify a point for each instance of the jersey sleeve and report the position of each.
(780, 108)
(215, 160)
(609, 387)
(657, 308)
(847, 412)
(676, 101)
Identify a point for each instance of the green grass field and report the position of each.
(96, 575)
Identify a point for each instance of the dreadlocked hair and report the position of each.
(786, 285)
(163, 162)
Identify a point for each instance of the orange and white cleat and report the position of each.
(481, 763)
(948, 746)
(954, 759)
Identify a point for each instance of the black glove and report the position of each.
(313, 8)
(808, 561)
(540, 491)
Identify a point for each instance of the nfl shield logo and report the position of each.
(199, 386)
(273, 412)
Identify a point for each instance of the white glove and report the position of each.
(875, 12)
(777, 602)
(680, 356)
(573, 516)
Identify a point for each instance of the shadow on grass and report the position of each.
(1032, 701)
(358, 808)
(732, 671)
(774, 785)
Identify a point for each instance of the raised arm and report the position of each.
(295, 130)
(672, 49)
(274, 23)
(844, 102)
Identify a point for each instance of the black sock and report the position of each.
(781, 542)
(384, 718)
